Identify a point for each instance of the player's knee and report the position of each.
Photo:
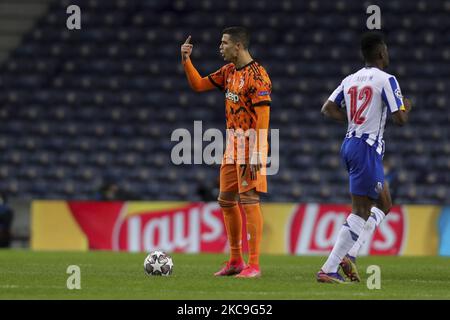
(362, 210)
(385, 207)
(249, 197)
(363, 213)
(223, 203)
(227, 200)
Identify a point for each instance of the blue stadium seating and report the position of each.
(78, 108)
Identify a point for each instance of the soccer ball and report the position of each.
(158, 263)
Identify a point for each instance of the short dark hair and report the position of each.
(238, 34)
(370, 45)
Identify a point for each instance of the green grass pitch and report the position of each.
(107, 275)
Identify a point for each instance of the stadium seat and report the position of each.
(79, 108)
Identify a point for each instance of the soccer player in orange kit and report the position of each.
(247, 89)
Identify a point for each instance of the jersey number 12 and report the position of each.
(365, 94)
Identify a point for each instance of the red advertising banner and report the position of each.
(194, 227)
(299, 229)
(313, 229)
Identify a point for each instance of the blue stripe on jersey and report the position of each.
(339, 98)
(385, 99)
(394, 88)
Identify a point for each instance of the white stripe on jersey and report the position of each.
(366, 95)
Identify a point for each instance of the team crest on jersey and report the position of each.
(241, 83)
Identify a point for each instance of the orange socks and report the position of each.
(233, 224)
(254, 230)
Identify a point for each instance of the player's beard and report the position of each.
(230, 56)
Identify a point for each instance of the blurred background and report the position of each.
(88, 114)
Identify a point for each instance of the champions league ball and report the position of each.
(158, 263)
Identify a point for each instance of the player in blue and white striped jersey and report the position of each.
(363, 100)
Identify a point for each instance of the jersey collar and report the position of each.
(248, 64)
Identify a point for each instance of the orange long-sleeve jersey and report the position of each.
(247, 98)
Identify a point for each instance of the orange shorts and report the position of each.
(236, 178)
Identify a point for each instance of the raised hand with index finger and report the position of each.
(186, 49)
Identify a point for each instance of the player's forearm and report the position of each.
(400, 117)
(262, 128)
(339, 116)
(196, 82)
(332, 111)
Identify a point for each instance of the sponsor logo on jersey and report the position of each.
(231, 96)
(263, 93)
